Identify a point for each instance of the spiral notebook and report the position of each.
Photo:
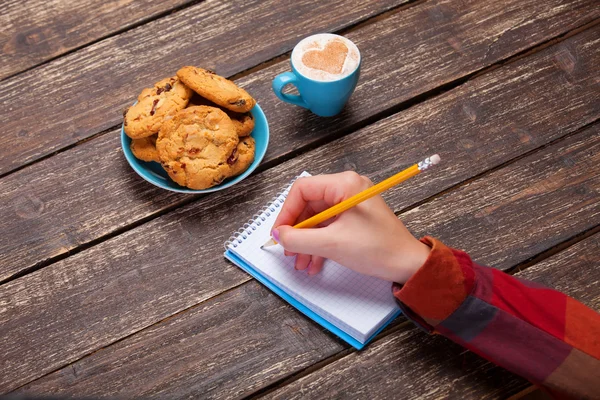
(353, 306)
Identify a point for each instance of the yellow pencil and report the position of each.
(364, 195)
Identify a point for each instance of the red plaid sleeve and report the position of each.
(536, 332)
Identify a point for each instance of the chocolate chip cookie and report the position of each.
(196, 147)
(145, 148)
(245, 155)
(156, 105)
(217, 89)
(243, 122)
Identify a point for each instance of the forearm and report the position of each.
(536, 332)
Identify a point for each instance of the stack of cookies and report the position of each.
(197, 125)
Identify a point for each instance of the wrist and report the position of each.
(411, 257)
(419, 254)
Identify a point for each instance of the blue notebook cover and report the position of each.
(301, 307)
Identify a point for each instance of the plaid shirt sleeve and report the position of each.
(536, 332)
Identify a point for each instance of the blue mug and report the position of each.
(324, 98)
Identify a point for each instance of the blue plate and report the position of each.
(154, 173)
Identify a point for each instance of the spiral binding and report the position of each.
(257, 219)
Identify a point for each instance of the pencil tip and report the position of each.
(269, 243)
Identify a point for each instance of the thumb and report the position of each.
(312, 241)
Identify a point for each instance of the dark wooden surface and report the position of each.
(37, 31)
(70, 177)
(91, 87)
(110, 286)
(136, 259)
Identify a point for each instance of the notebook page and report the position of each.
(355, 303)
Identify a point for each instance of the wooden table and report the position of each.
(112, 287)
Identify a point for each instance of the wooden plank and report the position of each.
(175, 261)
(245, 316)
(519, 204)
(136, 365)
(411, 364)
(47, 219)
(85, 92)
(573, 271)
(36, 31)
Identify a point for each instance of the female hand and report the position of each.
(368, 238)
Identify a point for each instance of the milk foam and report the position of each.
(318, 42)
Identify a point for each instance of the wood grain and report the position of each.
(255, 345)
(411, 364)
(573, 271)
(110, 372)
(72, 199)
(85, 92)
(36, 31)
(516, 204)
(149, 273)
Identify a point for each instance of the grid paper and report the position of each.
(355, 303)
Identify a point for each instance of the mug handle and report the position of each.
(280, 81)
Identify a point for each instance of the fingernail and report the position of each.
(308, 267)
(275, 234)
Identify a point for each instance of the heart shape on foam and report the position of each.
(330, 59)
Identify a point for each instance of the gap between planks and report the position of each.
(554, 250)
(353, 27)
(323, 363)
(241, 74)
(117, 32)
(192, 3)
(494, 169)
(423, 97)
(249, 279)
(523, 393)
(540, 47)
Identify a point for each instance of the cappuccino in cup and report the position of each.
(326, 57)
(325, 70)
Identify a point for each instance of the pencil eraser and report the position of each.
(435, 159)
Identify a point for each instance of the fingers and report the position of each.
(313, 264)
(305, 214)
(315, 241)
(316, 265)
(322, 190)
(366, 181)
(307, 197)
(288, 253)
(302, 191)
(302, 261)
